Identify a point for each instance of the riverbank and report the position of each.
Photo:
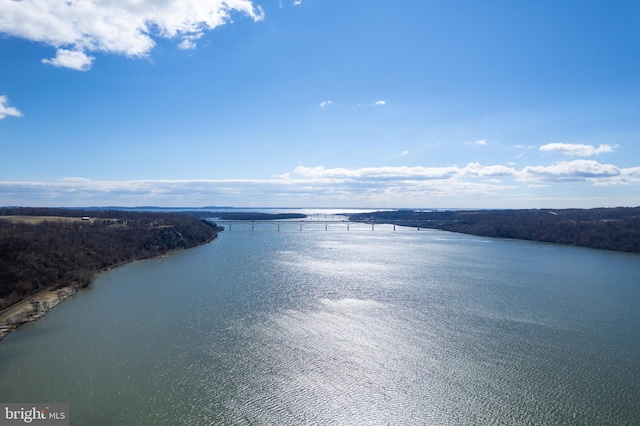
(32, 309)
(45, 252)
(616, 229)
(35, 307)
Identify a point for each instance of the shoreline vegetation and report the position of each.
(47, 255)
(616, 229)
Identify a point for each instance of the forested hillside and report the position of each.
(604, 228)
(57, 248)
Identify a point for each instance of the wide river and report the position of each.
(343, 327)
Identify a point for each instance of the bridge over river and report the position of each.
(307, 225)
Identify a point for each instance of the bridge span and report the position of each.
(306, 225)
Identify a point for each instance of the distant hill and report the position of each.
(601, 228)
(245, 215)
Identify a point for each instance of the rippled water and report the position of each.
(343, 327)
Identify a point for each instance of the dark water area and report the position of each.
(343, 327)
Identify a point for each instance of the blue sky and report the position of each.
(466, 104)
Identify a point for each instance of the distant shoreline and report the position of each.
(616, 229)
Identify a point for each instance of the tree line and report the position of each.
(245, 215)
(602, 228)
(58, 253)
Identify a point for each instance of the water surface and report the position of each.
(343, 327)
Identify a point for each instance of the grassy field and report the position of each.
(39, 219)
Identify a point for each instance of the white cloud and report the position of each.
(126, 27)
(404, 153)
(187, 45)
(577, 150)
(378, 173)
(297, 2)
(6, 110)
(189, 41)
(571, 171)
(478, 170)
(401, 186)
(309, 186)
(74, 59)
(480, 142)
(628, 175)
(405, 173)
(381, 103)
(325, 103)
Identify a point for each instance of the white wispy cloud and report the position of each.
(325, 103)
(125, 27)
(189, 41)
(404, 186)
(478, 170)
(571, 171)
(6, 110)
(577, 150)
(405, 173)
(380, 102)
(480, 142)
(303, 187)
(627, 176)
(378, 173)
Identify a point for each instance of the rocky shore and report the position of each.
(32, 309)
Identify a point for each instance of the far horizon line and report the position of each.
(212, 208)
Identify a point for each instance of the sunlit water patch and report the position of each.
(339, 361)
